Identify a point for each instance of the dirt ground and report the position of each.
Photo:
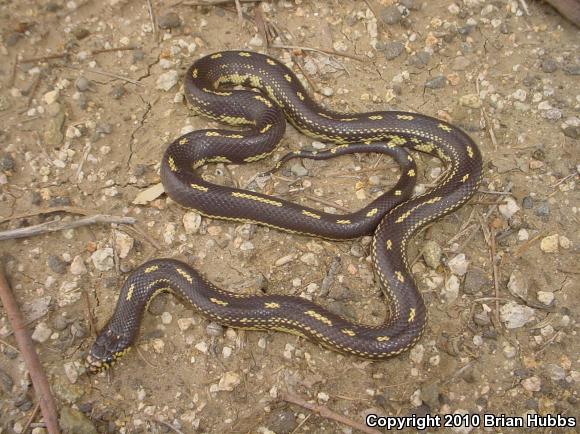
(90, 96)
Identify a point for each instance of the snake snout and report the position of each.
(106, 349)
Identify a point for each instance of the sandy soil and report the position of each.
(91, 94)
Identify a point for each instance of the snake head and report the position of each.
(107, 348)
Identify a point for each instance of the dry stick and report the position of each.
(12, 78)
(525, 7)
(495, 270)
(326, 202)
(319, 50)
(39, 381)
(44, 58)
(90, 313)
(32, 90)
(326, 413)
(106, 74)
(31, 418)
(56, 225)
(3, 342)
(108, 50)
(152, 18)
(69, 209)
(522, 249)
(239, 10)
(216, 2)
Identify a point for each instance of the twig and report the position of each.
(108, 50)
(106, 74)
(487, 121)
(320, 50)
(564, 179)
(32, 89)
(502, 193)
(136, 229)
(326, 413)
(525, 7)
(44, 58)
(152, 18)
(56, 225)
(31, 418)
(28, 353)
(216, 2)
(495, 273)
(90, 313)
(69, 209)
(3, 342)
(239, 10)
(12, 78)
(302, 422)
(88, 148)
(520, 251)
(326, 202)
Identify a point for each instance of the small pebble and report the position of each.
(309, 259)
(80, 32)
(432, 254)
(549, 65)
(298, 170)
(470, 100)
(56, 264)
(550, 244)
(546, 297)
(169, 21)
(167, 80)
(77, 266)
(123, 244)
(476, 280)
(543, 210)
(390, 14)
(41, 332)
(518, 284)
(214, 329)
(103, 259)
(7, 162)
(532, 384)
(451, 289)
(118, 91)
(191, 222)
(281, 421)
(571, 127)
(166, 318)
(459, 264)
(437, 82)
(555, 372)
(229, 381)
(82, 84)
(393, 49)
(515, 315)
(509, 208)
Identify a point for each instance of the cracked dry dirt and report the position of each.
(86, 130)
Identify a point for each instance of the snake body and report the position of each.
(393, 218)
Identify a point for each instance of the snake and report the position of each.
(257, 94)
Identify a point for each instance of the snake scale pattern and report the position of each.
(271, 94)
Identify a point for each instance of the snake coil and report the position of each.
(393, 217)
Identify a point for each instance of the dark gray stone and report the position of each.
(393, 49)
(390, 14)
(56, 264)
(169, 21)
(438, 82)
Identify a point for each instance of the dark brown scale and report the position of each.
(400, 217)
